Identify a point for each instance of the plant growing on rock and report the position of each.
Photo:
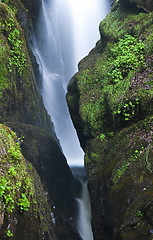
(126, 55)
(16, 186)
(17, 56)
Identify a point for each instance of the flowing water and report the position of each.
(84, 207)
(65, 32)
(84, 214)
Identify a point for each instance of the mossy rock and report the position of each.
(19, 96)
(45, 154)
(24, 210)
(114, 85)
(23, 111)
(113, 95)
(120, 176)
(144, 4)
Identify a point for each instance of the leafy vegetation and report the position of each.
(128, 109)
(115, 89)
(12, 31)
(112, 76)
(9, 234)
(140, 214)
(3, 66)
(16, 186)
(102, 137)
(126, 56)
(17, 56)
(106, 101)
(125, 164)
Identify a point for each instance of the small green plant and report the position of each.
(15, 153)
(12, 172)
(126, 55)
(139, 214)
(111, 134)
(102, 137)
(6, 198)
(23, 203)
(128, 110)
(121, 170)
(9, 234)
(17, 57)
(3, 184)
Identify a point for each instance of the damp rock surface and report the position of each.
(110, 100)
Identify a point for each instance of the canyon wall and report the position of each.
(111, 104)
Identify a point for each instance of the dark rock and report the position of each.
(118, 147)
(24, 207)
(23, 110)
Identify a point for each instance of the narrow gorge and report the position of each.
(75, 117)
(61, 39)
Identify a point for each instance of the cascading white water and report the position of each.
(83, 223)
(87, 14)
(84, 217)
(54, 50)
(65, 33)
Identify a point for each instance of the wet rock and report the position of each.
(118, 147)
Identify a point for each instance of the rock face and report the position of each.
(24, 210)
(111, 104)
(22, 110)
(147, 5)
(20, 99)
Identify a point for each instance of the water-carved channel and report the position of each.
(65, 33)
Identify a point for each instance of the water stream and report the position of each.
(65, 32)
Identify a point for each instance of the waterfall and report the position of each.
(87, 14)
(65, 32)
(84, 215)
(84, 208)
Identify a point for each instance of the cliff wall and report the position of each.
(111, 104)
(22, 110)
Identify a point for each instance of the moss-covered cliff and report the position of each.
(111, 104)
(20, 99)
(22, 110)
(24, 210)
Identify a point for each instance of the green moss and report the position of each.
(4, 83)
(21, 193)
(126, 164)
(124, 153)
(16, 188)
(16, 76)
(11, 30)
(115, 89)
(109, 92)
